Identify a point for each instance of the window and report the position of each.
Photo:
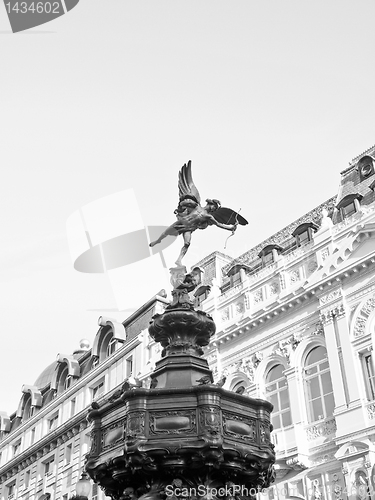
(72, 407)
(52, 422)
(304, 233)
(68, 454)
(32, 436)
(349, 209)
(278, 395)
(319, 392)
(369, 375)
(349, 205)
(27, 479)
(201, 294)
(269, 254)
(68, 382)
(235, 279)
(129, 366)
(16, 448)
(48, 466)
(11, 490)
(112, 346)
(267, 259)
(97, 390)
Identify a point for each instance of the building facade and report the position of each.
(44, 443)
(295, 320)
(295, 324)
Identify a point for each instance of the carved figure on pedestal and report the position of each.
(191, 215)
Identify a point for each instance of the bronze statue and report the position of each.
(191, 215)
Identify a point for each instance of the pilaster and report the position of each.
(334, 361)
(348, 356)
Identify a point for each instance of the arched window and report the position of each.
(278, 395)
(349, 205)
(28, 410)
(64, 381)
(319, 391)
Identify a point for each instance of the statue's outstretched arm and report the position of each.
(228, 227)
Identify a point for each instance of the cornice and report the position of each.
(48, 443)
(284, 234)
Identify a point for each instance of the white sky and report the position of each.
(270, 99)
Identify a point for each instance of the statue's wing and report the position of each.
(186, 184)
(228, 216)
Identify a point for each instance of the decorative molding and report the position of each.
(330, 297)
(239, 427)
(324, 254)
(322, 429)
(239, 307)
(209, 420)
(229, 293)
(172, 422)
(361, 320)
(225, 314)
(294, 276)
(326, 317)
(371, 411)
(258, 296)
(262, 273)
(274, 288)
(134, 424)
(299, 252)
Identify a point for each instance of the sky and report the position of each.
(269, 99)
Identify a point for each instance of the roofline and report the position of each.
(144, 308)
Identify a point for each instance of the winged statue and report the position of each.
(191, 215)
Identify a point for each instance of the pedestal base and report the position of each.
(181, 371)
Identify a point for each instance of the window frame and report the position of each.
(280, 412)
(369, 384)
(97, 390)
(53, 422)
(307, 384)
(129, 362)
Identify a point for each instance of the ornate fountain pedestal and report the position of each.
(185, 437)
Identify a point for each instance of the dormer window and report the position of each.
(237, 274)
(269, 254)
(201, 294)
(349, 205)
(304, 233)
(366, 167)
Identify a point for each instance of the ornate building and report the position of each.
(44, 443)
(295, 319)
(295, 324)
